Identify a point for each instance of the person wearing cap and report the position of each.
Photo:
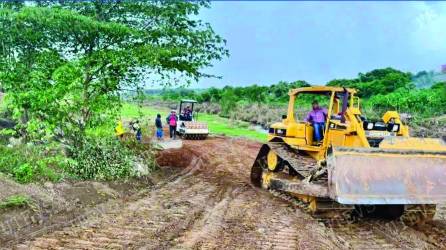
(317, 118)
(172, 120)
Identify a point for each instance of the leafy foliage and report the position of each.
(101, 159)
(32, 163)
(378, 81)
(427, 102)
(63, 64)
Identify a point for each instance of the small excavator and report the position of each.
(373, 168)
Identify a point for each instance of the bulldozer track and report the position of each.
(303, 164)
(296, 202)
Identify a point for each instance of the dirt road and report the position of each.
(209, 203)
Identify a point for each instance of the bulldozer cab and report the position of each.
(341, 118)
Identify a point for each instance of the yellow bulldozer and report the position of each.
(371, 167)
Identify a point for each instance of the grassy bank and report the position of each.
(217, 124)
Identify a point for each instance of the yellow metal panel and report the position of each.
(336, 137)
(391, 114)
(353, 141)
(320, 89)
(295, 141)
(296, 130)
(309, 134)
(413, 143)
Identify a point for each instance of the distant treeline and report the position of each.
(380, 89)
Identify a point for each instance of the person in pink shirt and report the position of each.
(172, 120)
(317, 118)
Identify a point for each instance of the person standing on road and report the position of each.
(159, 127)
(172, 120)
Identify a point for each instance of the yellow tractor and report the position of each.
(371, 167)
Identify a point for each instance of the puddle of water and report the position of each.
(259, 128)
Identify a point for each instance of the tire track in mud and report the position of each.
(382, 234)
(151, 223)
(433, 232)
(362, 235)
(125, 228)
(211, 204)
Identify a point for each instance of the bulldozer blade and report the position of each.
(386, 176)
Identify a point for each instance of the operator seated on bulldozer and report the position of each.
(317, 118)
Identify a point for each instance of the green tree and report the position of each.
(228, 101)
(63, 65)
(378, 81)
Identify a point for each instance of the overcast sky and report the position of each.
(320, 41)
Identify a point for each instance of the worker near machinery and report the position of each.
(137, 130)
(172, 120)
(119, 129)
(159, 127)
(317, 118)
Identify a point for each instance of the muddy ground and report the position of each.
(207, 202)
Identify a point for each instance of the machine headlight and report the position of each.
(395, 127)
(370, 126)
(281, 132)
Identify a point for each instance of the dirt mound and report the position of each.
(181, 158)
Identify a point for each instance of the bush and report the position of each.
(32, 163)
(101, 159)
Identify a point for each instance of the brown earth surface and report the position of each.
(209, 203)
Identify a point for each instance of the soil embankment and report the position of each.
(209, 203)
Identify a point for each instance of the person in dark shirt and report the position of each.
(159, 127)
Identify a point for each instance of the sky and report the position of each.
(321, 41)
